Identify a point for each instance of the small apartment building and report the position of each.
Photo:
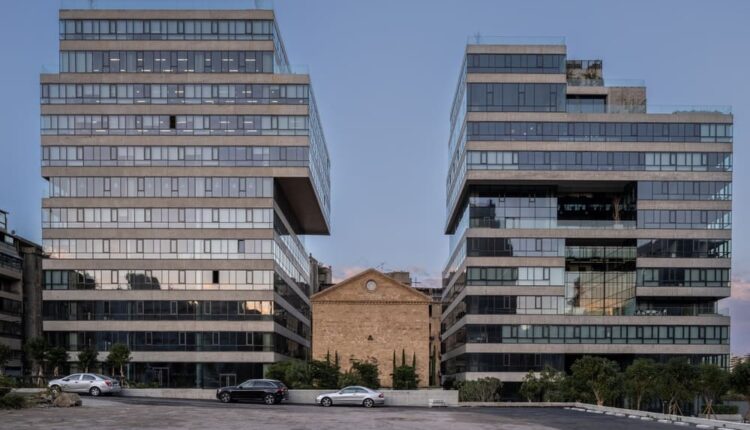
(20, 294)
(369, 317)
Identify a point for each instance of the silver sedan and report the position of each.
(85, 383)
(353, 395)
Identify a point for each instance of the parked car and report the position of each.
(269, 391)
(353, 395)
(85, 383)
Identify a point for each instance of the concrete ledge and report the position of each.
(392, 397)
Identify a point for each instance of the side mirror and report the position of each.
(66, 379)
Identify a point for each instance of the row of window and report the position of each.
(495, 362)
(160, 187)
(156, 218)
(10, 306)
(165, 340)
(175, 156)
(606, 334)
(558, 305)
(521, 247)
(182, 125)
(174, 94)
(599, 131)
(166, 29)
(516, 97)
(684, 190)
(158, 280)
(515, 276)
(600, 161)
(166, 62)
(10, 329)
(173, 310)
(505, 305)
(157, 310)
(515, 63)
(685, 248)
(684, 277)
(159, 249)
(685, 219)
(645, 277)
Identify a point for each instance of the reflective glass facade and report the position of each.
(185, 197)
(566, 228)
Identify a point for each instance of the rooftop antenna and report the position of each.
(477, 36)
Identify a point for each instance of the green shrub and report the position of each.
(725, 409)
(405, 378)
(449, 384)
(481, 390)
(7, 381)
(350, 378)
(367, 373)
(12, 401)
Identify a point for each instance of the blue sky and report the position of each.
(384, 73)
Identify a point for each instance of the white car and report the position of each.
(353, 395)
(85, 383)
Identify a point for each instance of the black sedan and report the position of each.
(268, 391)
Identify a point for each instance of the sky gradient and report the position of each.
(384, 73)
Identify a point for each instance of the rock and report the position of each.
(66, 400)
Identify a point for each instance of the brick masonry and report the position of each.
(360, 324)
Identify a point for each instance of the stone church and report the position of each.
(369, 317)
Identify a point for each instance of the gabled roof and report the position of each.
(326, 295)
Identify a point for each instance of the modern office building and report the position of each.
(184, 159)
(20, 295)
(582, 220)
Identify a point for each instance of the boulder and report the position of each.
(66, 400)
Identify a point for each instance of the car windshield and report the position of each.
(102, 376)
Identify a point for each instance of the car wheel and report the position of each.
(94, 391)
(326, 402)
(225, 397)
(269, 399)
(55, 390)
(368, 403)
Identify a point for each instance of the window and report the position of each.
(215, 276)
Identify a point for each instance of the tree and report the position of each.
(596, 376)
(294, 374)
(119, 356)
(712, 383)
(405, 378)
(368, 373)
(481, 390)
(57, 358)
(530, 387)
(675, 383)
(37, 348)
(87, 358)
(640, 378)
(5, 355)
(740, 380)
(553, 385)
(324, 375)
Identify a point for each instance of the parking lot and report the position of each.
(129, 413)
